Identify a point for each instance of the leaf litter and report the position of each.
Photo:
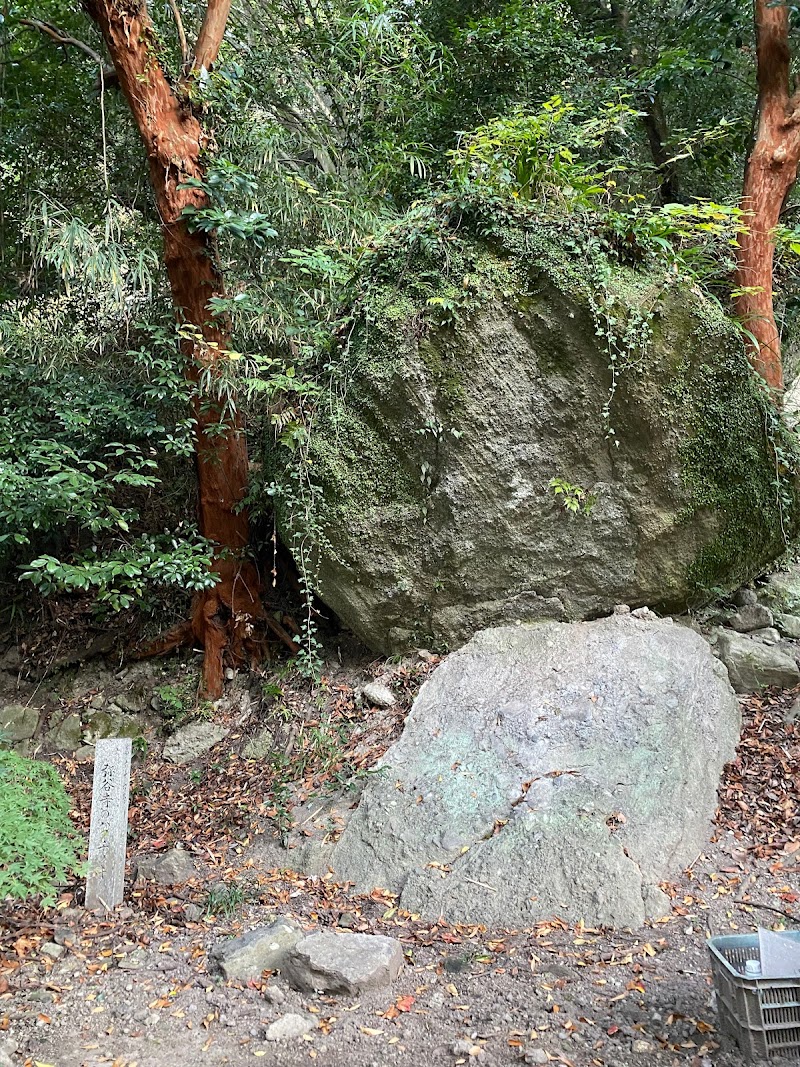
(585, 997)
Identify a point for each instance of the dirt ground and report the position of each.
(133, 987)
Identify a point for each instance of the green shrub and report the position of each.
(37, 839)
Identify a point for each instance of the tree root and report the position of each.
(228, 621)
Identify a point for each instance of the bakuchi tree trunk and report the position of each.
(770, 175)
(174, 140)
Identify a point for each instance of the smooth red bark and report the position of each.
(770, 175)
(174, 140)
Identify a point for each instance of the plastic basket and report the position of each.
(762, 1015)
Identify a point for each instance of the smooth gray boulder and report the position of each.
(166, 868)
(192, 741)
(752, 665)
(549, 768)
(343, 963)
(789, 625)
(262, 949)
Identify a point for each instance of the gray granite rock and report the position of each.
(745, 597)
(100, 724)
(292, 1025)
(595, 747)
(166, 868)
(18, 723)
(343, 963)
(752, 665)
(789, 625)
(135, 701)
(260, 745)
(262, 949)
(490, 408)
(751, 617)
(192, 741)
(67, 735)
(769, 635)
(378, 694)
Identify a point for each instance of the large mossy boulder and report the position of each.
(489, 389)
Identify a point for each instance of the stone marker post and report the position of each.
(108, 829)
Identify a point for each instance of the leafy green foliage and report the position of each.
(348, 140)
(536, 156)
(574, 499)
(224, 899)
(123, 579)
(37, 841)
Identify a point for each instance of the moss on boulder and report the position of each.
(469, 391)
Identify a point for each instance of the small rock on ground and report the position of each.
(753, 665)
(343, 963)
(291, 1025)
(262, 949)
(769, 635)
(192, 741)
(744, 597)
(379, 695)
(536, 1055)
(751, 617)
(168, 868)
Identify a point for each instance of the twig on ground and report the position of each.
(768, 907)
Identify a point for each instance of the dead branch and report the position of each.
(176, 14)
(63, 39)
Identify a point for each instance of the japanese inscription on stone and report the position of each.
(108, 830)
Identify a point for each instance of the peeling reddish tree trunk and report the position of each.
(222, 617)
(769, 177)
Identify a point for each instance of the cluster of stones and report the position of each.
(344, 964)
(26, 728)
(116, 705)
(339, 963)
(758, 641)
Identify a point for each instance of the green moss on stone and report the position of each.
(728, 459)
(403, 359)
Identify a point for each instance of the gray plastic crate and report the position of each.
(762, 1015)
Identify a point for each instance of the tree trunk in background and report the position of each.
(769, 177)
(174, 140)
(653, 119)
